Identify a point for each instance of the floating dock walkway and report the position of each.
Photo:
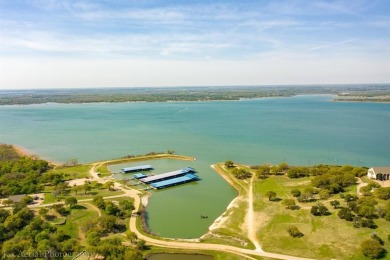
(137, 168)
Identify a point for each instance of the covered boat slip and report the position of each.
(139, 168)
(168, 175)
(175, 181)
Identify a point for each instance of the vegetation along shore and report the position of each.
(295, 212)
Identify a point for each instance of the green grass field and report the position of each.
(325, 237)
(73, 172)
(49, 197)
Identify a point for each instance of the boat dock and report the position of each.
(168, 175)
(175, 181)
(139, 168)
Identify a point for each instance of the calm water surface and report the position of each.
(299, 130)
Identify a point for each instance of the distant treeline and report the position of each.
(178, 94)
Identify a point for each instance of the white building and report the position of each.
(379, 173)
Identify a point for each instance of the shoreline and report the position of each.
(22, 151)
(219, 221)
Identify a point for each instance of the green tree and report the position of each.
(71, 201)
(382, 193)
(289, 203)
(296, 193)
(271, 195)
(132, 236)
(229, 164)
(241, 174)
(335, 204)
(133, 255)
(87, 187)
(263, 171)
(372, 248)
(294, 231)
(43, 212)
(77, 188)
(99, 202)
(109, 185)
(345, 213)
(107, 223)
(141, 244)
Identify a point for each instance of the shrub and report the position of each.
(294, 231)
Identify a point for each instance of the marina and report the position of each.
(139, 168)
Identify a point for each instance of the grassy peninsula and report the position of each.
(281, 211)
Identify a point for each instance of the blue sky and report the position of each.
(65, 43)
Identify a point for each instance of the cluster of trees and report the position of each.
(372, 247)
(362, 211)
(24, 232)
(123, 210)
(19, 174)
(329, 171)
(241, 173)
(319, 210)
(109, 222)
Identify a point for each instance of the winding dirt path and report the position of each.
(250, 217)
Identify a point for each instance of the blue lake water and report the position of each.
(298, 130)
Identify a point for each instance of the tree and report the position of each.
(43, 212)
(87, 187)
(7, 202)
(99, 185)
(324, 194)
(107, 223)
(4, 214)
(271, 195)
(72, 162)
(141, 244)
(77, 188)
(315, 211)
(263, 171)
(296, 193)
(382, 193)
(133, 255)
(132, 236)
(289, 203)
(323, 210)
(294, 231)
(99, 202)
(345, 213)
(372, 248)
(241, 174)
(72, 201)
(109, 185)
(335, 204)
(59, 208)
(229, 164)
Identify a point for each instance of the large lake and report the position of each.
(298, 130)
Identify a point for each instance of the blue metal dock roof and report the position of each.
(168, 175)
(138, 168)
(175, 181)
(140, 175)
